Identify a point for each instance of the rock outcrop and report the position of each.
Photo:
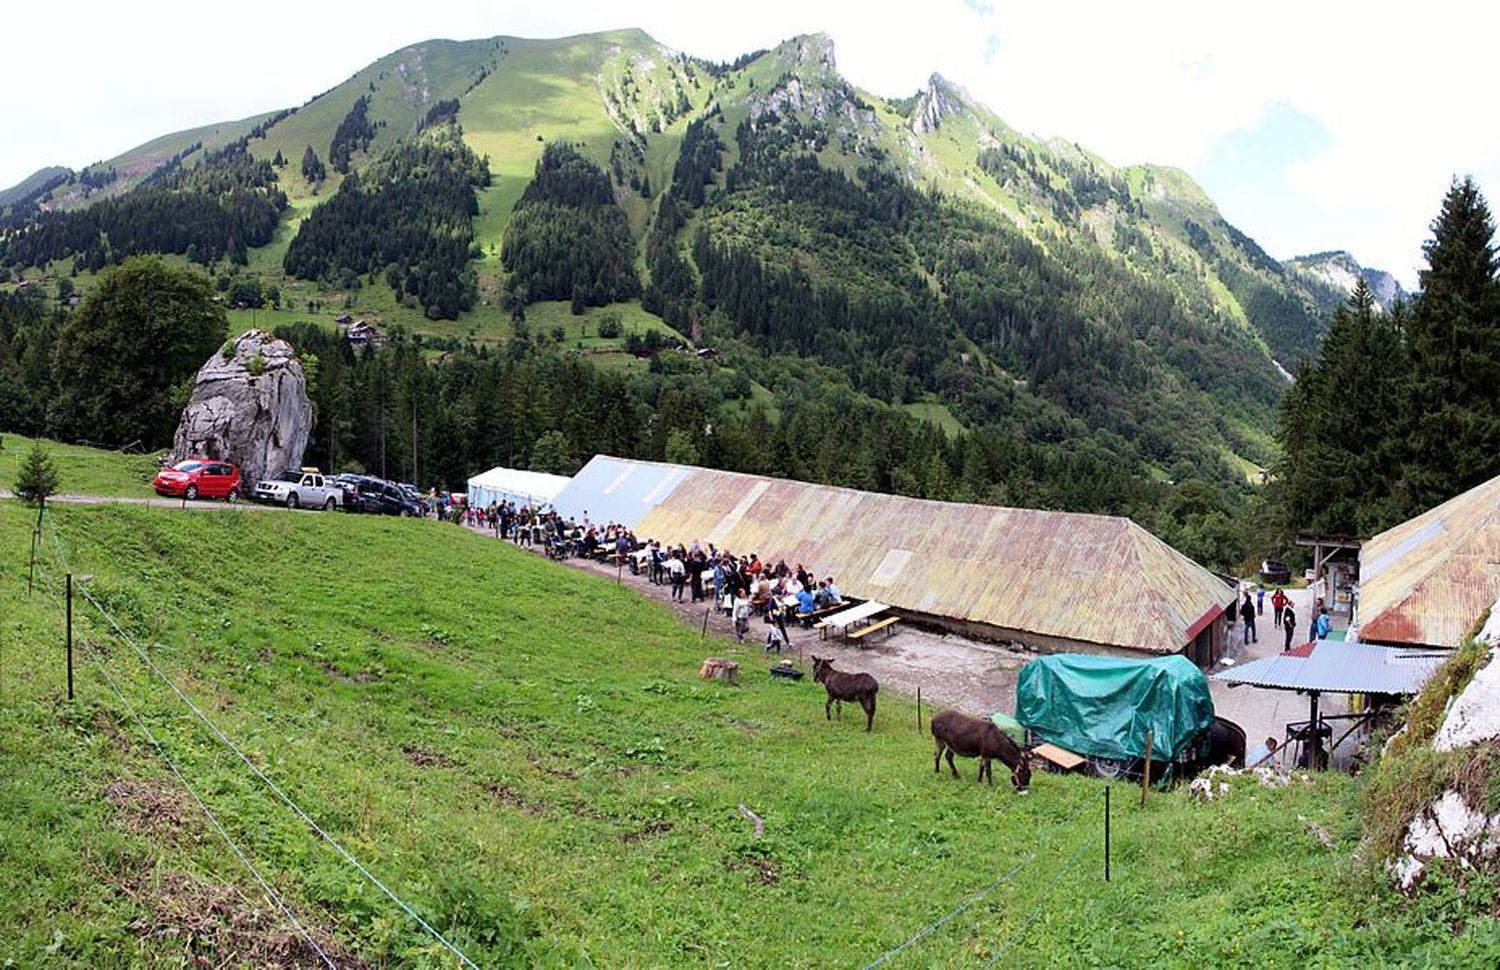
(1455, 825)
(249, 405)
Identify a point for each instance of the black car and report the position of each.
(364, 493)
(1275, 572)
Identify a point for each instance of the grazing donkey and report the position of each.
(842, 686)
(969, 737)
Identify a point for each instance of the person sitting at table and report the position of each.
(806, 603)
(834, 596)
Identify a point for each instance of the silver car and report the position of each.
(299, 489)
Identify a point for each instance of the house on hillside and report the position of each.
(1053, 581)
(360, 333)
(1430, 580)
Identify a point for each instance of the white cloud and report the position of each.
(1401, 91)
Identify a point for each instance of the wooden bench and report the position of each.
(884, 624)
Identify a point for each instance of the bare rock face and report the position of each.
(249, 407)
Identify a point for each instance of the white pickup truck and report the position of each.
(300, 489)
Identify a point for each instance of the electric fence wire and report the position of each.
(271, 894)
(1036, 911)
(285, 798)
(938, 924)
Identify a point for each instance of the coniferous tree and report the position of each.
(1454, 426)
(1340, 471)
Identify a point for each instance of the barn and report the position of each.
(1054, 581)
(1430, 580)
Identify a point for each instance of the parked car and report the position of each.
(300, 489)
(194, 478)
(364, 493)
(1275, 572)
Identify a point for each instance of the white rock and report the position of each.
(256, 415)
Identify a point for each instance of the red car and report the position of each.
(199, 478)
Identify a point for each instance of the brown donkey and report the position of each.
(968, 737)
(842, 686)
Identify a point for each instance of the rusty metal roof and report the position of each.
(1430, 579)
(1093, 579)
(1342, 668)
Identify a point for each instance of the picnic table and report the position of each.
(843, 619)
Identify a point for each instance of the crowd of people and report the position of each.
(1253, 605)
(738, 585)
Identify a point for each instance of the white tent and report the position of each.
(514, 485)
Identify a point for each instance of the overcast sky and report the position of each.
(1314, 125)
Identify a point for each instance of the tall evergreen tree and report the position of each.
(1339, 425)
(1454, 425)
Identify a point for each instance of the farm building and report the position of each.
(1056, 581)
(1431, 579)
(517, 485)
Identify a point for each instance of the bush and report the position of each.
(610, 326)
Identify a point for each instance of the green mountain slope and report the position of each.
(919, 248)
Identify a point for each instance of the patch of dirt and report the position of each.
(358, 677)
(217, 925)
(264, 656)
(426, 757)
(153, 806)
(507, 795)
(649, 830)
(380, 634)
(105, 725)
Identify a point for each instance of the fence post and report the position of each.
(70, 635)
(1106, 832)
(919, 710)
(1146, 775)
(705, 625)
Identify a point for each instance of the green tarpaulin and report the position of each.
(1103, 707)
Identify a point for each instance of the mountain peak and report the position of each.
(941, 99)
(815, 50)
(1338, 268)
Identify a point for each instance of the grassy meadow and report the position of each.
(526, 755)
(83, 470)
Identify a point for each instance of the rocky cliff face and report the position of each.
(1341, 271)
(1460, 824)
(249, 405)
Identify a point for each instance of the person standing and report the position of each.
(677, 573)
(1289, 624)
(1324, 624)
(1279, 600)
(1260, 601)
(1247, 613)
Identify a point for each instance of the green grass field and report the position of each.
(526, 754)
(83, 470)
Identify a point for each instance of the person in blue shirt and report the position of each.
(834, 596)
(1325, 624)
(805, 603)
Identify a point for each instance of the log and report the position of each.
(760, 823)
(717, 668)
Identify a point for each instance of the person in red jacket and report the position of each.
(1279, 599)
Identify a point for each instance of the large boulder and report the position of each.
(249, 405)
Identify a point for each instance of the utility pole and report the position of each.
(70, 636)
(414, 439)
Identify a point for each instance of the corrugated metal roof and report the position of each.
(1087, 578)
(1430, 579)
(1352, 668)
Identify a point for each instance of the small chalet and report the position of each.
(362, 333)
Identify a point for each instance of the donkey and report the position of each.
(968, 737)
(842, 686)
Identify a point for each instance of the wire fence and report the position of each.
(978, 897)
(272, 896)
(1020, 931)
(60, 547)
